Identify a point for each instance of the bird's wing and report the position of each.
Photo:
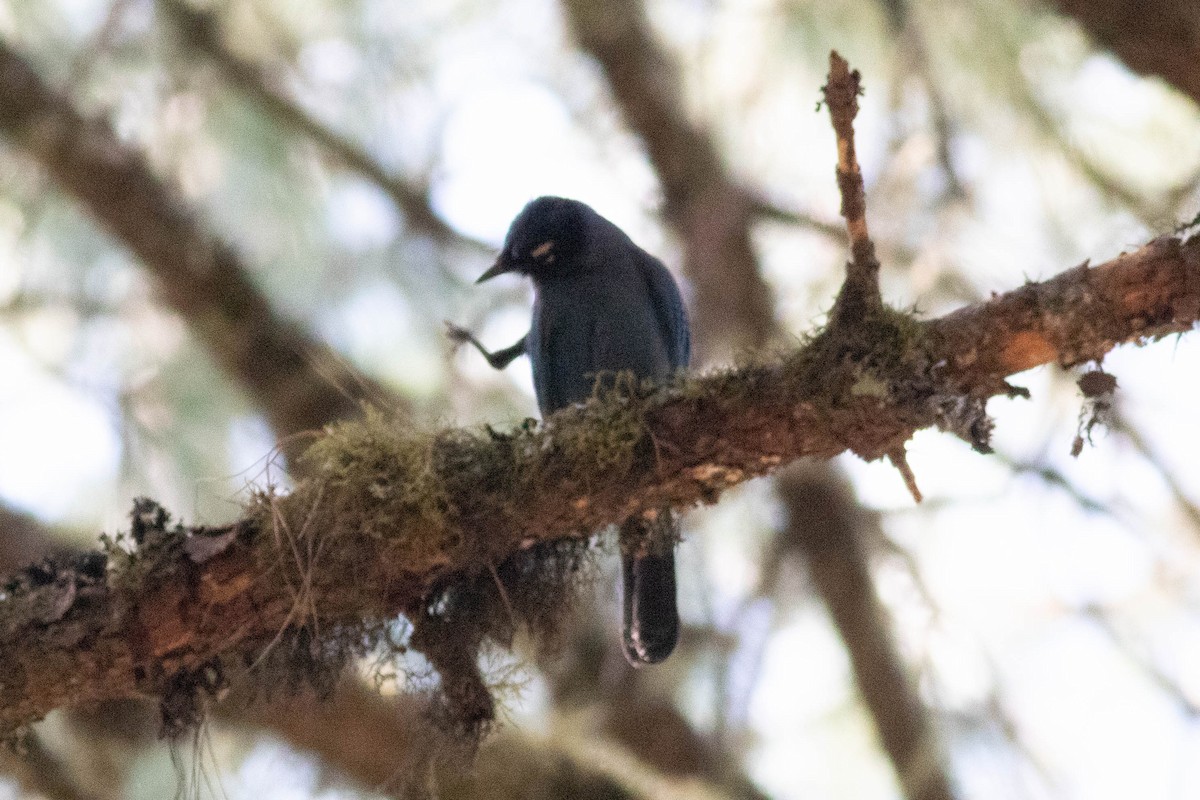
(562, 354)
(536, 341)
(668, 310)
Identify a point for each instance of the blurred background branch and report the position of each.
(200, 31)
(300, 384)
(1160, 38)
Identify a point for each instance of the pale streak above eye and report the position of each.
(542, 249)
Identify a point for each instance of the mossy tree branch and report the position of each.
(389, 518)
(228, 315)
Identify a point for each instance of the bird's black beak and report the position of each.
(501, 266)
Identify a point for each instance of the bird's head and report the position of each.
(545, 240)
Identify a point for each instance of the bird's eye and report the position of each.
(542, 249)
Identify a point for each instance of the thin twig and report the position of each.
(503, 592)
(900, 462)
(860, 294)
(769, 210)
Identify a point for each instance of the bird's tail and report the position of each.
(650, 620)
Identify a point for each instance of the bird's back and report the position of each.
(622, 314)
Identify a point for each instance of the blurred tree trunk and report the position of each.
(1153, 37)
(825, 522)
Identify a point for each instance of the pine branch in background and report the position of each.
(200, 31)
(299, 383)
(39, 773)
(389, 746)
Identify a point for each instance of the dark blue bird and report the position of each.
(602, 305)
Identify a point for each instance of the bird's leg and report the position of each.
(498, 359)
